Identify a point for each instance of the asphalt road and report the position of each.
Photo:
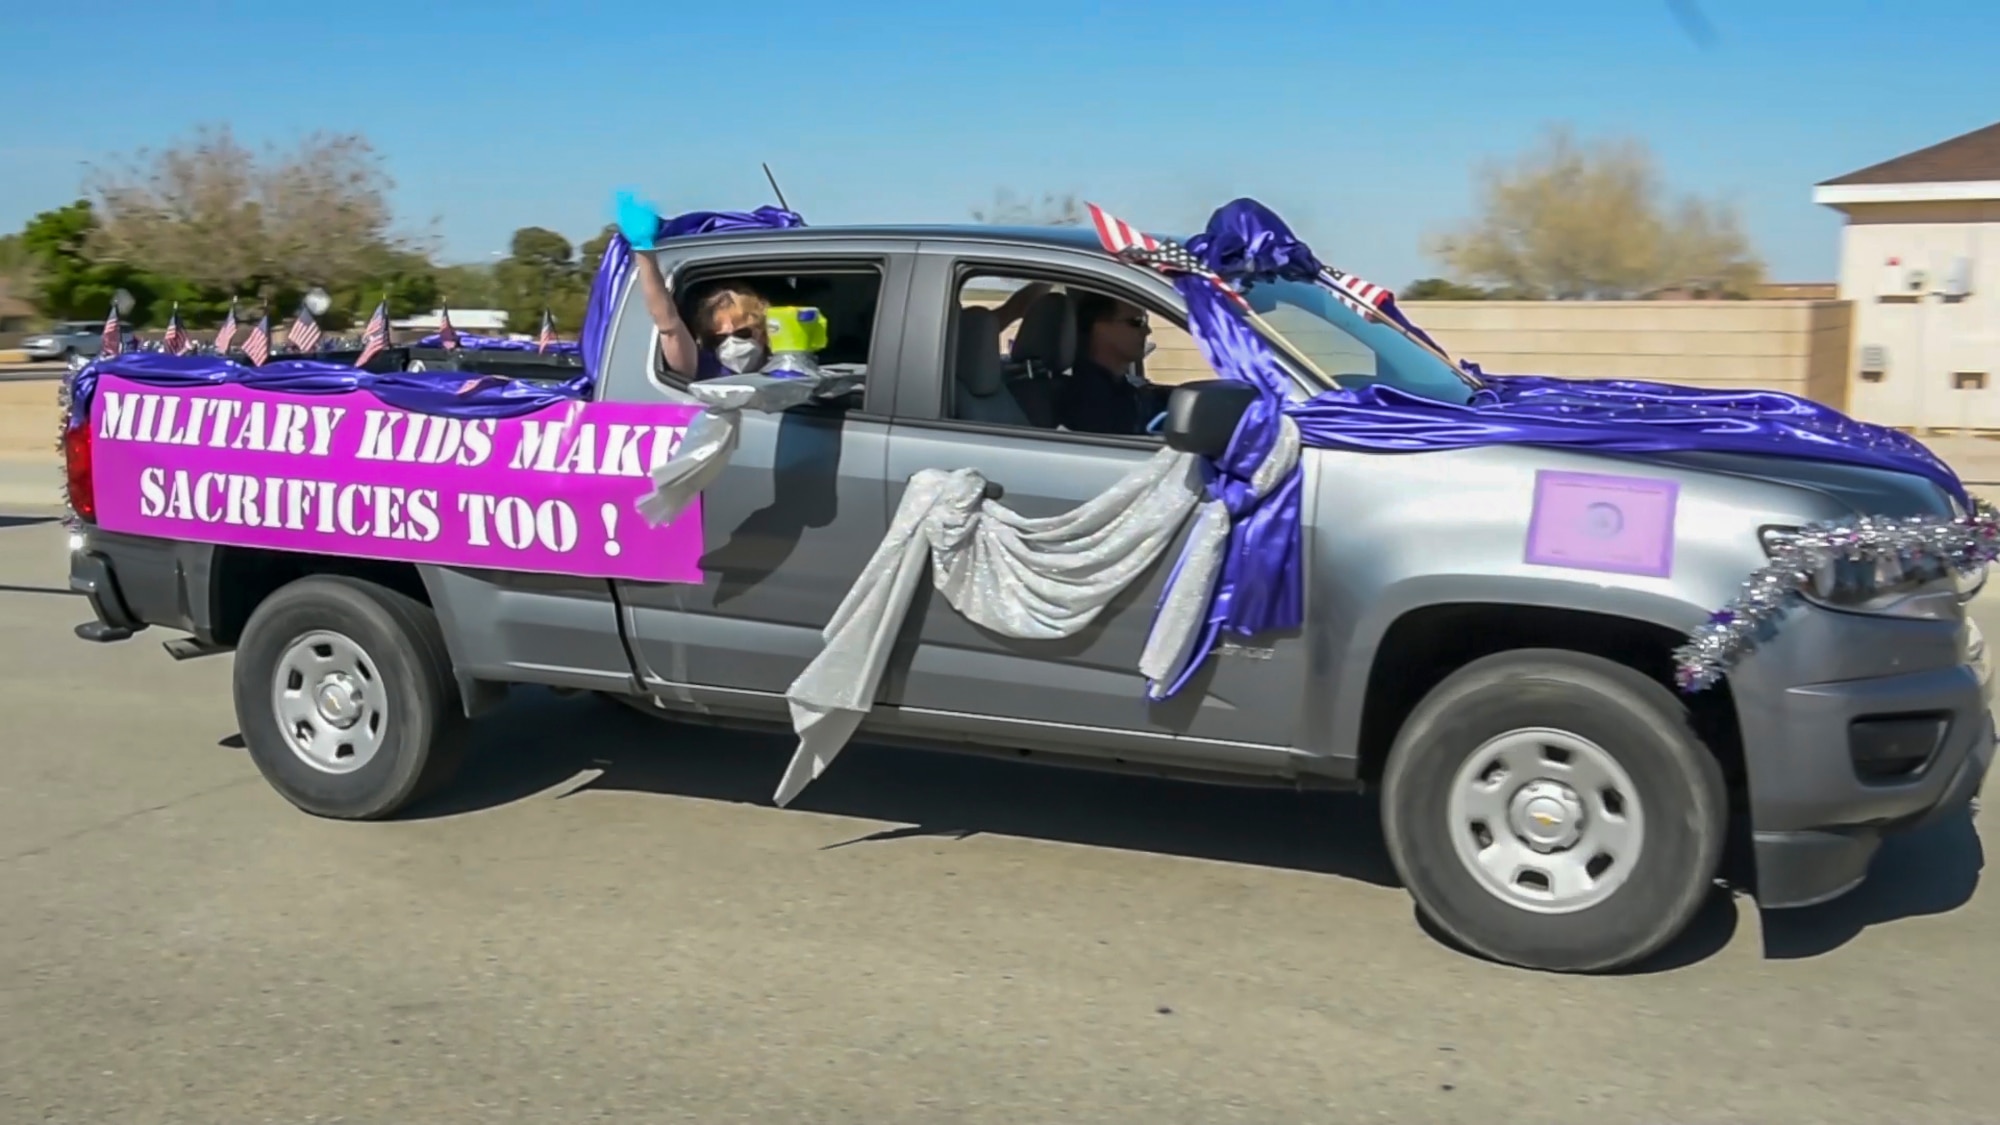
(606, 921)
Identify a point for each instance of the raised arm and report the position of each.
(1016, 306)
(677, 342)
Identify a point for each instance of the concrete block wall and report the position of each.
(1800, 347)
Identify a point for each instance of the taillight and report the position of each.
(76, 467)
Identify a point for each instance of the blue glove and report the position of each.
(638, 222)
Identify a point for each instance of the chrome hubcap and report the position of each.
(1546, 820)
(330, 702)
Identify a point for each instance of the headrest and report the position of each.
(1048, 333)
(978, 366)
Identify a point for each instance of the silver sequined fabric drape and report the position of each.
(711, 438)
(1034, 579)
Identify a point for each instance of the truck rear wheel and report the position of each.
(345, 696)
(1554, 810)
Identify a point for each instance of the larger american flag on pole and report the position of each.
(447, 335)
(547, 338)
(1126, 241)
(1366, 299)
(375, 337)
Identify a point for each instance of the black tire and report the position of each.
(423, 737)
(1645, 731)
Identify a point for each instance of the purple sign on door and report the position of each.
(551, 492)
(1589, 522)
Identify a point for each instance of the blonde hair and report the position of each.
(728, 296)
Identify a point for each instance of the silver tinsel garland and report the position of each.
(65, 387)
(1963, 544)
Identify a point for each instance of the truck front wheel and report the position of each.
(1554, 810)
(345, 696)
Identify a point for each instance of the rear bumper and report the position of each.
(112, 620)
(133, 582)
(1817, 817)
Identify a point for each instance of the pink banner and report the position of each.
(550, 492)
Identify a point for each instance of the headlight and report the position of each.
(1928, 587)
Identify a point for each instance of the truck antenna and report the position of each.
(775, 189)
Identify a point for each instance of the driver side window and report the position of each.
(1033, 354)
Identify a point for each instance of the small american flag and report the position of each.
(227, 333)
(1165, 255)
(447, 335)
(1117, 235)
(113, 337)
(305, 334)
(375, 337)
(548, 335)
(258, 345)
(176, 340)
(1373, 302)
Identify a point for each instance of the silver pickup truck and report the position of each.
(1550, 799)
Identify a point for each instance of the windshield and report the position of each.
(1352, 350)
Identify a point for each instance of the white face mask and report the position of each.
(739, 355)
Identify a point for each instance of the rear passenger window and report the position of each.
(1056, 356)
(847, 297)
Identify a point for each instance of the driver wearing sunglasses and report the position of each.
(1101, 395)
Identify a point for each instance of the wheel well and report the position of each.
(242, 577)
(1426, 645)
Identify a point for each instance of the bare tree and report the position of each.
(1574, 220)
(213, 211)
(1053, 211)
(20, 273)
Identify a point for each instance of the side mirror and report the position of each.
(1202, 417)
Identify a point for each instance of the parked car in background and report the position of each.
(72, 338)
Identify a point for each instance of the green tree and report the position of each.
(406, 278)
(543, 273)
(1441, 289)
(471, 286)
(593, 250)
(69, 283)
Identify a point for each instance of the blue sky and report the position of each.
(1359, 122)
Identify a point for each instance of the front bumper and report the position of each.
(1817, 819)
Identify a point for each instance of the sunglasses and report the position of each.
(748, 332)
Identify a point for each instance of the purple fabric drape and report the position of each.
(1261, 585)
(455, 393)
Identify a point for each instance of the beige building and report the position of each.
(1920, 262)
